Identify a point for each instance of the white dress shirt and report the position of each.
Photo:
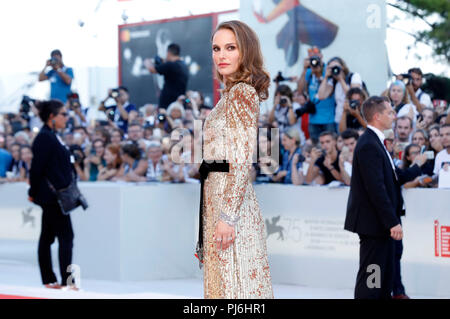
(382, 137)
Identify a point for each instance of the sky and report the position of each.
(31, 29)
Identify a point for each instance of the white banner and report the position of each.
(354, 30)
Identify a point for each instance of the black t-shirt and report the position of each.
(175, 81)
(352, 122)
(325, 171)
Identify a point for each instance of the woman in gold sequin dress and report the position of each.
(235, 253)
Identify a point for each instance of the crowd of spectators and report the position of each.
(318, 127)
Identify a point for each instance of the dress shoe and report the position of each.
(70, 288)
(54, 285)
(400, 297)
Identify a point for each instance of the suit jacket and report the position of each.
(51, 161)
(375, 201)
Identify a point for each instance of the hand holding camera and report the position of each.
(315, 154)
(54, 63)
(280, 78)
(285, 101)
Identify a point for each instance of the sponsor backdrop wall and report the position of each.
(149, 231)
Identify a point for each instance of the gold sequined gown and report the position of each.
(241, 271)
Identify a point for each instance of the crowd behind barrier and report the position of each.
(318, 124)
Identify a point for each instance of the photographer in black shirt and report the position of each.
(351, 116)
(175, 74)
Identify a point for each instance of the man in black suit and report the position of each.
(375, 202)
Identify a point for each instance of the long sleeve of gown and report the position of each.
(241, 118)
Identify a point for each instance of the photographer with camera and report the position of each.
(60, 76)
(283, 111)
(338, 81)
(413, 81)
(322, 111)
(79, 157)
(76, 113)
(175, 72)
(324, 161)
(118, 114)
(351, 116)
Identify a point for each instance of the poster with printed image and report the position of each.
(354, 30)
(147, 40)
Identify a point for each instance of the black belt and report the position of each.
(205, 169)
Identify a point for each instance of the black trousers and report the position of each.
(55, 225)
(375, 277)
(398, 289)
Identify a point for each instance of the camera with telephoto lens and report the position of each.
(309, 108)
(25, 107)
(280, 78)
(335, 70)
(161, 118)
(354, 104)
(158, 60)
(283, 101)
(115, 93)
(110, 113)
(54, 61)
(187, 104)
(314, 61)
(78, 157)
(74, 100)
(25, 104)
(406, 78)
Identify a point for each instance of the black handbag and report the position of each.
(70, 197)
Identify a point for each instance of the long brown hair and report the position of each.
(115, 150)
(251, 65)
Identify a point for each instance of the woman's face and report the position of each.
(109, 157)
(396, 94)
(435, 136)
(419, 139)
(99, 149)
(428, 117)
(26, 155)
(225, 52)
(154, 153)
(15, 152)
(61, 118)
(116, 138)
(413, 152)
(287, 142)
(175, 114)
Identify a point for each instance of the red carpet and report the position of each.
(16, 297)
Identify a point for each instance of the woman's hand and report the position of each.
(224, 235)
